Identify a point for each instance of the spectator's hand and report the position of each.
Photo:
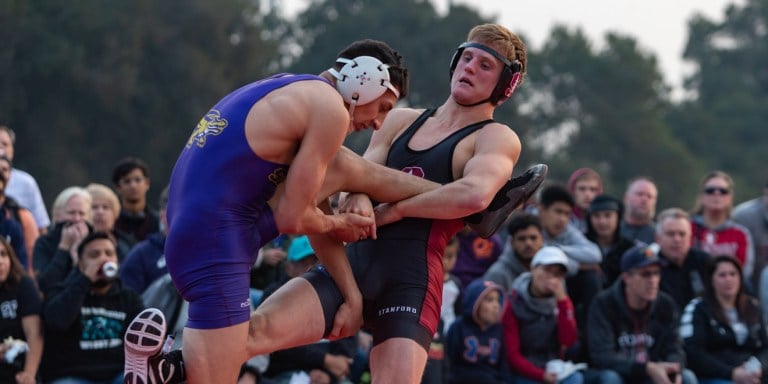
(349, 317)
(351, 227)
(337, 365)
(71, 236)
(318, 376)
(273, 256)
(659, 372)
(557, 288)
(549, 378)
(92, 271)
(360, 204)
(740, 375)
(25, 377)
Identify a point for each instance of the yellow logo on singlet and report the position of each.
(210, 124)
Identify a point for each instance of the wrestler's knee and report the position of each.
(257, 332)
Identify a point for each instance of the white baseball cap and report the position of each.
(550, 256)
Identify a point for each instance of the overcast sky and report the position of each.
(660, 26)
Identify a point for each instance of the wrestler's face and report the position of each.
(373, 113)
(475, 76)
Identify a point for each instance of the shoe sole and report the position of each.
(514, 194)
(143, 339)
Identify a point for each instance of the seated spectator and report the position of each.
(603, 229)
(632, 332)
(86, 317)
(476, 255)
(56, 251)
(683, 268)
(475, 342)
(20, 327)
(584, 257)
(105, 206)
(136, 220)
(10, 228)
(713, 230)
(22, 215)
(525, 239)
(146, 261)
(583, 184)
(640, 204)
(22, 186)
(538, 320)
(723, 331)
(324, 361)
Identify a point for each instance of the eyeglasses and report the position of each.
(714, 190)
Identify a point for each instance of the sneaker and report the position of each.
(511, 196)
(144, 361)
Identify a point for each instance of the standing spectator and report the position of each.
(56, 251)
(22, 215)
(683, 268)
(538, 320)
(713, 230)
(476, 255)
(584, 184)
(10, 228)
(20, 309)
(525, 239)
(86, 317)
(105, 206)
(633, 328)
(753, 215)
(146, 260)
(723, 330)
(22, 187)
(603, 229)
(137, 220)
(640, 203)
(475, 342)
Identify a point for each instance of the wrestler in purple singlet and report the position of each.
(218, 216)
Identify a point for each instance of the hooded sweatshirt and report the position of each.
(536, 330)
(477, 355)
(730, 238)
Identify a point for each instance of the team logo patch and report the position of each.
(210, 124)
(278, 176)
(416, 171)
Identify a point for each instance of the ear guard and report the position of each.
(362, 80)
(510, 75)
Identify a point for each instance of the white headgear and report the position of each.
(362, 80)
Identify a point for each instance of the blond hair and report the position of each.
(504, 41)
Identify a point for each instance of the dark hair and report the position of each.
(748, 312)
(16, 271)
(604, 203)
(398, 73)
(126, 165)
(10, 133)
(555, 193)
(523, 221)
(93, 236)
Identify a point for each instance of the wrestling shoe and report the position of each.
(511, 196)
(145, 362)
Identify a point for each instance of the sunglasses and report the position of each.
(713, 190)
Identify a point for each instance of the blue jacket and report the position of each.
(144, 263)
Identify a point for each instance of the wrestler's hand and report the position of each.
(350, 227)
(360, 204)
(386, 214)
(349, 317)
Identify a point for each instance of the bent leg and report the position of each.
(397, 360)
(290, 317)
(349, 172)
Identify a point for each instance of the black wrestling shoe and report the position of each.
(511, 196)
(145, 362)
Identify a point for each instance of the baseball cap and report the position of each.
(640, 256)
(299, 249)
(605, 203)
(549, 256)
